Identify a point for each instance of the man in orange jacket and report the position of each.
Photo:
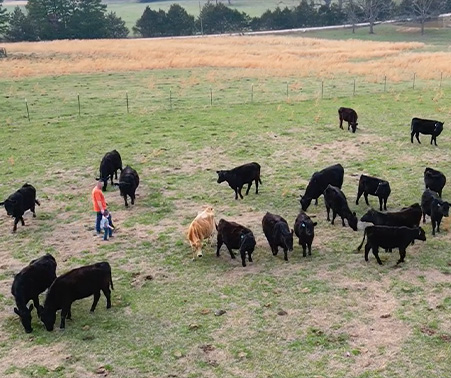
(99, 204)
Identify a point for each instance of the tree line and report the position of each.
(89, 19)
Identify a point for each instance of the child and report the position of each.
(107, 224)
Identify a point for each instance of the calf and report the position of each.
(434, 180)
(425, 126)
(435, 207)
(109, 165)
(332, 175)
(278, 234)
(390, 237)
(29, 283)
(335, 199)
(76, 284)
(374, 186)
(235, 236)
(304, 228)
(201, 227)
(238, 176)
(349, 115)
(128, 182)
(22, 200)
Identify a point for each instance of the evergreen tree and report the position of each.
(88, 20)
(3, 19)
(115, 26)
(20, 28)
(151, 23)
(179, 22)
(218, 18)
(50, 18)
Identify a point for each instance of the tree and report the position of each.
(151, 23)
(373, 9)
(88, 20)
(278, 19)
(50, 18)
(305, 15)
(353, 13)
(424, 9)
(221, 19)
(115, 26)
(20, 28)
(3, 19)
(179, 22)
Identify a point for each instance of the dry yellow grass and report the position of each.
(260, 54)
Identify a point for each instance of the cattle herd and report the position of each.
(397, 229)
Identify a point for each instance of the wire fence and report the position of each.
(55, 100)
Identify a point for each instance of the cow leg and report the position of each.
(22, 221)
(219, 245)
(96, 300)
(239, 192)
(256, 186)
(236, 193)
(125, 200)
(433, 226)
(417, 135)
(328, 210)
(132, 197)
(107, 293)
(411, 136)
(402, 255)
(376, 254)
(64, 311)
(16, 220)
(438, 224)
(435, 140)
(334, 215)
(316, 201)
(365, 194)
(304, 249)
(285, 254)
(341, 123)
(309, 249)
(243, 258)
(424, 217)
(33, 210)
(69, 313)
(385, 203)
(343, 222)
(115, 175)
(380, 203)
(275, 250)
(248, 187)
(359, 194)
(232, 255)
(367, 250)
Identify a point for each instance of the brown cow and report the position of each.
(201, 227)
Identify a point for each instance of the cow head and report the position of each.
(48, 318)
(305, 202)
(308, 227)
(352, 221)
(25, 317)
(247, 244)
(9, 206)
(221, 176)
(443, 207)
(369, 216)
(438, 128)
(354, 126)
(421, 234)
(383, 189)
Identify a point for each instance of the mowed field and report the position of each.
(328, 315)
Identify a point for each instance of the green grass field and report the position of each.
(344, 317)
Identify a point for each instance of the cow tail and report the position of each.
(111, 281)
(259, 180)
(360, 246)
(37, 202)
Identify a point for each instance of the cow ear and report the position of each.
(16, 310)
(2, 203)
(315, 223)
(30, 308)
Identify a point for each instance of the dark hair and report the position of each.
(105, 212)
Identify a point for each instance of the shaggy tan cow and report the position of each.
(201, 227)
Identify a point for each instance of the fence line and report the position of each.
(143, 100)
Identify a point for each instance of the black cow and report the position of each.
(349, 115)
(389, 237)
(29, 283)
(109, 165)
(425, 126)
(76, 284)
(335, 199)
(304, 228)
(128, 182)
(408, 216)
(435, 207)
(332, 175)
(434, 180)
(238, 176)
(374, 186)
(278, 234)
(22, 200)
(235, 236)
